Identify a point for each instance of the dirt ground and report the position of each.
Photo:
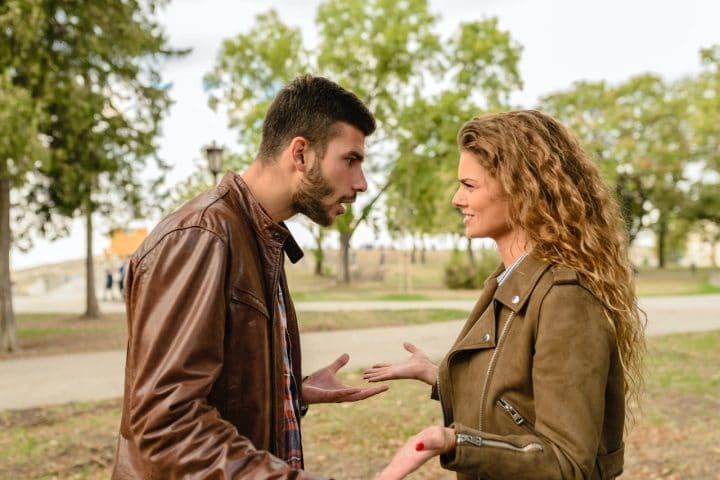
(676, 436)
(678, 440)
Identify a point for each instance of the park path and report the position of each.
(31, 382)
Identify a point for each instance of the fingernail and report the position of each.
(419, 446)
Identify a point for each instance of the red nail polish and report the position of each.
(419, 446)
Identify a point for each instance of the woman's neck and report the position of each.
(513, 246)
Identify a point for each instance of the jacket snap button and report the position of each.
(515, 299)
(276, 235)
(486, 337)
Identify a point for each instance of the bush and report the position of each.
(460, 274)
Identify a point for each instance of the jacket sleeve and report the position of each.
(177, 308)
(570, 370)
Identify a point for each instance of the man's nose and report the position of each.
(359, 183)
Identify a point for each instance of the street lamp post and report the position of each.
(214, 156)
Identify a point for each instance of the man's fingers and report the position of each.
(346, 392)
(340, 362)
(410, 347)
(366, 393)
(336, 395)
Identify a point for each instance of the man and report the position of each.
(213, 387)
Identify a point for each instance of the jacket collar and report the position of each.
(268, 230)
(516, 289)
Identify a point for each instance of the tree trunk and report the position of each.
(413, 252)
(318, 252)
(661, 239)
(423, 258)
(92, 309)
(345, 257)
(470, 254)
(8, 336)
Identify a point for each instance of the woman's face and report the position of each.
(482, 201)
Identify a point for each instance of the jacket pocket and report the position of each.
(251, 300)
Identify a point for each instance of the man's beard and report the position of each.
(308, 199)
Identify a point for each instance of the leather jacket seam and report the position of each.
(141, 261)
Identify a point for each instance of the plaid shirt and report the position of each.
(293, 442)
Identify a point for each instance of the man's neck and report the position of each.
(271, 189)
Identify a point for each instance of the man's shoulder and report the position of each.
(208, 213)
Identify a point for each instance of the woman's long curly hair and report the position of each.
(558, 198)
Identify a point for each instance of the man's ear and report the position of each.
(299, 149)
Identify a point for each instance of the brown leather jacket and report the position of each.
(203, 379)
(533, 385)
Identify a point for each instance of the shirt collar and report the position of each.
(516, 289)
(267, 229)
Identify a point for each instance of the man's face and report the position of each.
(334, 179)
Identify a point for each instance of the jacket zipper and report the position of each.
(491, 367)
(514, 414)
(479, 441)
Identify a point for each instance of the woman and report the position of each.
(536, 384)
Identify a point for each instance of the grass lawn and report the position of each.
(654, 282)
(50, 334)
(675, 437)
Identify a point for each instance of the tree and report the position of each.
(639, 133)
(704, 211)
(705, 109)
(386, 51)
(480, 70)
(92, 68)
(19, 145)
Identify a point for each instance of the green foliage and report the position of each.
(91, 71)
(19, 118)
(388, 53)
(639, 133)
(705, 108)
(479, 71)
(461, 273)
(250, 70)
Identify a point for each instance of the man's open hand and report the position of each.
(323, 386)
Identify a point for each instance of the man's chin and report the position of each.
(325, 220)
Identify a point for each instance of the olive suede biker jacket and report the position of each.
(204, 390)
(533, 384)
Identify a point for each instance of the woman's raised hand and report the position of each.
(418, 367)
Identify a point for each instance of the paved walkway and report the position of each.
(30, 382)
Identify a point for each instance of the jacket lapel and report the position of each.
(477, 324)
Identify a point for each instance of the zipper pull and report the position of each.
(517, 418)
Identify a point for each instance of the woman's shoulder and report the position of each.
(563, 288)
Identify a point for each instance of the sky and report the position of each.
(563, 41)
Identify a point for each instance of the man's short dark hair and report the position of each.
(310, 107)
